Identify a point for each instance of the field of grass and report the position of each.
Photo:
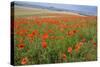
(43, 37)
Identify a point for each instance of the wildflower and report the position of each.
(83, 40)
(94, 43)
(64, 56)
(35, 32)
(70, 50)
(24, 60)
(21, 46)
(45, 36)
(80, 43)
(75, 31)
(20, 40)
(50, 31)
(30, 35)
(22, 32)
(78, 46)
(44, 44)
(31, 40)
(72, 32)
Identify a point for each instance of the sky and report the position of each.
(83, 8)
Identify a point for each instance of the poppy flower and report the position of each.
(30, 35)
(83, 40)
(50, 31)
(94, 43)
(35, 32)
(75, 31)
(45, 36)
(44, 44)
(80, 43)
(21, 46)
(70, 50)
(21, 32)
(78, 46)
(72, 32)
(20, 40)
(24, 60)
(30, 40)
(64, 56)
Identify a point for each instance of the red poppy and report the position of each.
(24, 60)
(75, 31)
(83, 40)
(31, 40)
(30, 35)
(35, 32)
(45, 36)
(20, 40)
(50, 31)
(94, 43)
(64, 56)
(80, 43)
(44, 44)
(72, 32)
(21, 46)
(78, 46)
(21, 32)
(70, 50)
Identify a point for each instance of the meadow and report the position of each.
(44, 37)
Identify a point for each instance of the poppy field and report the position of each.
(44, 37)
